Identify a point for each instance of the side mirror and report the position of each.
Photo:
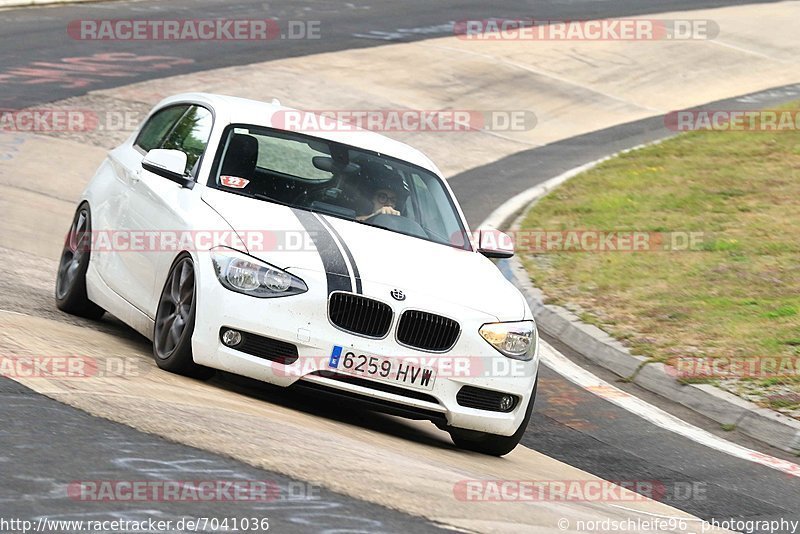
(494, 243)
(169, 164)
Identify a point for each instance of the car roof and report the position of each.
(235, 110)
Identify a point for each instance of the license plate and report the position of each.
(383, 369)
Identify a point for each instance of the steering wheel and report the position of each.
(376, 215)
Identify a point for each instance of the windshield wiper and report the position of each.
(431, 232)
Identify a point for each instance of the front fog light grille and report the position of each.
(486, 399)
(427, 331)
(270, 349)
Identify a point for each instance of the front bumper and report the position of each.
(302, 321)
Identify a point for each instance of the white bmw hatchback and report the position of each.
(336, 259)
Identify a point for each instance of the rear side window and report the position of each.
(191, 134)
(158, 126)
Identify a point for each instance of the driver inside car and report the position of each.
(385, 190)
(384, 202)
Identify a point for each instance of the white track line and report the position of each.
(583, 378)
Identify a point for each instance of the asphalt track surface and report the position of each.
(35, 47)
(45, 443)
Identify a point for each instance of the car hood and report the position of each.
(298, 239)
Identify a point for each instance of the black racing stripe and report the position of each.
(332, 259)
(356, 274)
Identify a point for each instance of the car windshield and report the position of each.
(339, 180)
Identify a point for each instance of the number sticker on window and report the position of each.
(234, 182)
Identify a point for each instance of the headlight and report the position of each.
(245, 274)
(515, 340)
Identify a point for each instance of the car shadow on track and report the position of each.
(315, 403)
(333, 408)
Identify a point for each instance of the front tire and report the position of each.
(492, 444)
(70, 291)
(174, 324)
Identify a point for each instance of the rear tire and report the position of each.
(70, 292)
(493, 444)
(174, 324)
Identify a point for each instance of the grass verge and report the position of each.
(720, 279)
